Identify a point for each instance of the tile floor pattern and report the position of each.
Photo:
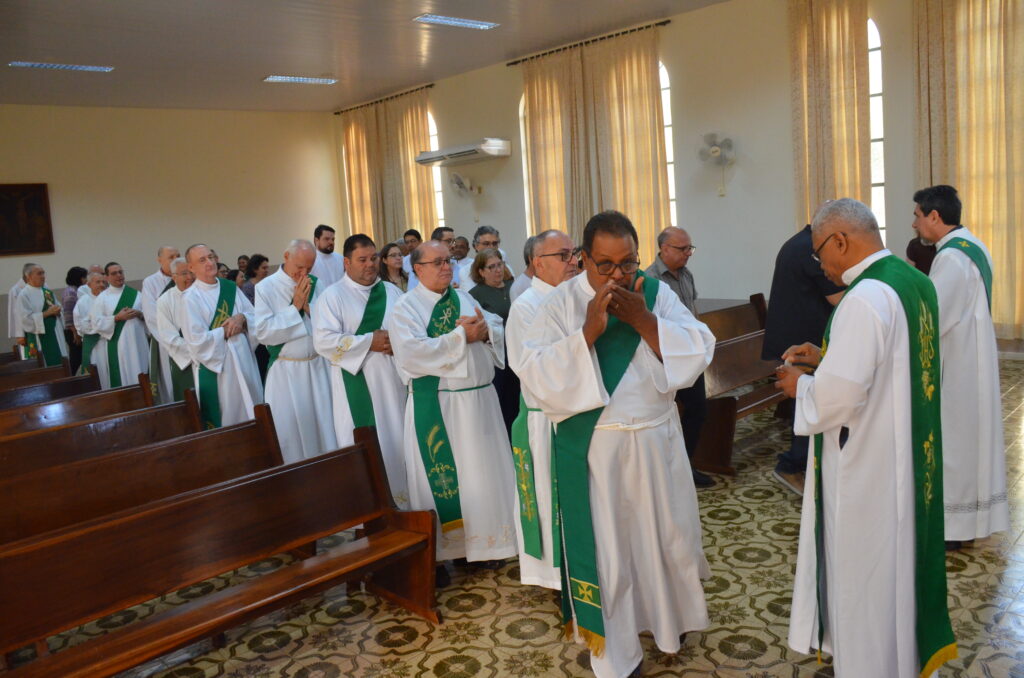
(496, 627)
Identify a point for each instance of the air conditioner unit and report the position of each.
(475, 152)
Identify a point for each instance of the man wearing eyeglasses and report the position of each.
(485, 237)
(460, 464)
(610, 348)
(674, 251)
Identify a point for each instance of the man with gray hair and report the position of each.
(870, 584)
(37, 311)
(13, 326)
(168, 331)
(485, 237)
(297, 389)
(522, 281)
(95, 283)
(122, 353)
(153, 286)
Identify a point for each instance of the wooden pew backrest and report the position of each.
(24, 373)
(737, 362)
(53, 390)
(736, 321)
(76, 408)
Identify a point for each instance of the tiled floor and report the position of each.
(496, 627)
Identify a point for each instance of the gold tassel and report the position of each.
(593, 641)
(945, 654)
(452, 525)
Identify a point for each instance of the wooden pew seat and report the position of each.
(77, 440)
(94, 404)
(52, 390)
(62, 579)
(55, 496)
(27, 373)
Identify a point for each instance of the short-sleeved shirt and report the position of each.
(797, 308)
(681, 282)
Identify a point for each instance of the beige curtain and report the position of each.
(976, 139)
(829, 69)
(594, 137)
(387, 191)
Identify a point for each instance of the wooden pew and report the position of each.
(735, 321)
(737, 363)
(76, 408)
(55, 496)
(26, 373)
(53, 390)
(13, 356)
(77, 440)
(65, 578)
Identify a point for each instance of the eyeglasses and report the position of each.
(814, 255)
(608, 267)
(563, 255)
(687, 248)
(495, 267)
(436, 263)
(492, 244)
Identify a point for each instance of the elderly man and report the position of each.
(329, 267)
(13, 324)
(445, 236)
(973, 459)
(674, 251)
(153, 286)
(457, 451)
(553, 261)
(297, 390)
(460, 250)
(870, 581)
(122, 352)
(168, 330)
(95, 283)
(214, 320)
(348, 331)
(610, 350)
(485, 237)
(38, 314)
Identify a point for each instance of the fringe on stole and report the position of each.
(593, 641)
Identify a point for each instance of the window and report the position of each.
(670, 165)
(436, 170)
(875, 125)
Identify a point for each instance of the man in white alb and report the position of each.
(297, 389)
(122, 352)
(610, 349)
(95, 283)
(553, 261)
(328, 267)
(152, 287)
(876, 600)
(973, 455)
(215, 318)
(168, 331)
(349, 332)
(39, 314)
(14, 330)
(457, 451)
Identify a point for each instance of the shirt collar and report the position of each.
(850, 274)
(205, 285)
(539, 285)
(365, 288)
(949, 236)
(427, 293)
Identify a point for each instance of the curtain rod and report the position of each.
(588, 41)
(382, 99)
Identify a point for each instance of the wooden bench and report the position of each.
(62, 579)
(53, 390)
(76, 408)
(56, 496)
(737, 363)
(73, 441)
(735, 321)
(27, 373)
(13, 356)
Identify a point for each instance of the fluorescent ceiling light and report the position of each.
(299, 79)
(60, 67)
(455, 21)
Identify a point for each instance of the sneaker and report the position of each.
(794, 482)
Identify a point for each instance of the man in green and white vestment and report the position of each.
(95, 283)
(122, 352)
(153, 286)
(39, 318)
(168, 331)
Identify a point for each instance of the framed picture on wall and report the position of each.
(25, 226)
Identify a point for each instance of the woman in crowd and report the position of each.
(492, 292)
(259, 268)
(73, 280)
(222, 270)
(237, 276)
(391, 266)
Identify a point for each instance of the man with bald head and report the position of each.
(95, 283)
(122, 352)
(153, 286)
(215, 318)
(552, 259)
(297, 389)
(38, 315)
(168, 330)
(870, 583)
(446, 348)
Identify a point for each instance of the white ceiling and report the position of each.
(214, 54)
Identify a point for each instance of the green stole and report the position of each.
(935, 641)
(209, 399)
(581, 592)
(89, 342)
(126, 300)
(522, 457)
(275, 350)
(154, 353)
(360, 405)
(431, 434)
(47, 342)
(975, 254)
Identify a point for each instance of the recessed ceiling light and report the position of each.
(60, 67)
(299, 79)
(455, 21)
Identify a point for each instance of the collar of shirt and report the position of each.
(850, 274)
(541, 286)
(952, 234)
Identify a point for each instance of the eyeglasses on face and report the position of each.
(687, 249)
(816, 254)
(492, 244)
(563, 255)
(436, 263)
(608, 267)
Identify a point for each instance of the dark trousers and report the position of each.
(793, 460)
(694, 401)
(74, 351)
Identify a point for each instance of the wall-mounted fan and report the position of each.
(462, 185)
(718, 153)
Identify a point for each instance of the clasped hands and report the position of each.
(234, 325)
(625, 304)
(474, 326)
(127, 314)
(52, 311)
(800, 360)
(300, 297)
(381, 342)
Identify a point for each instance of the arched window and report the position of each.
(875, 125)
(436, 170)
(670, 165)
